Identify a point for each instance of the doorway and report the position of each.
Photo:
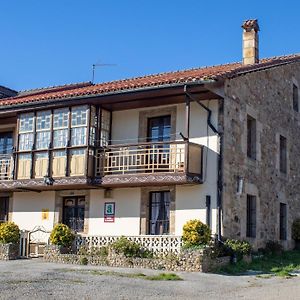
(4, 202)
(73, 212)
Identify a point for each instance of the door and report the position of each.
(6, 143)
(159, 130)
(4, 209)
(159, 213)
(73, 213)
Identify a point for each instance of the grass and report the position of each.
(159, 277)
(278, 265)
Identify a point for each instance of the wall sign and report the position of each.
(109, 212)
(45, 214)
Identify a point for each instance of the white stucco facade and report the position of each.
(28, 209)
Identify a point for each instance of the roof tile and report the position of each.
(163, 79)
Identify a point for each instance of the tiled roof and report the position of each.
(218, 72)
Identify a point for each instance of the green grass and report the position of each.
(279, 265)
(161, 276)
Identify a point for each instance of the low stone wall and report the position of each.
(9, 251)
(193, 261)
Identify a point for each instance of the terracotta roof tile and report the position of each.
(218, 72)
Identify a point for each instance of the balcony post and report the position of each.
(187, 131)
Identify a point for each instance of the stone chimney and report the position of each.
(250, 42)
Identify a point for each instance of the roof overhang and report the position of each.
(127, 99)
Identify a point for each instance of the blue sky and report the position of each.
(45, 43)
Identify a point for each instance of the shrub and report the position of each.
(239, 247)
(83, 261)
(196, 233)
(9, 233)
(296, 230)
(93, 251)
(129, 249)
(61, 235)
(273, 247)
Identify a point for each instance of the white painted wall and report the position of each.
(127, 219)
(27, 209)
(190, 199)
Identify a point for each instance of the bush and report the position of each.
(9, 233)
(273, 247)
(240, 248)
(296, 230)
(196, 233)
(130, 249)
(93, 251)
(61, 235)
(83, 261)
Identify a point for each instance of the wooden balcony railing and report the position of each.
(6, 166)
(169, 157)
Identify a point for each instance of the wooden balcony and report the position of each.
(6, 167)
(150, 164)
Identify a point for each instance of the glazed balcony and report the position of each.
(150, 163)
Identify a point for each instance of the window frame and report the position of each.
(65, 125)
(251, 218)
(251, 137)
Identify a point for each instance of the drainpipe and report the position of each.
(220, 159)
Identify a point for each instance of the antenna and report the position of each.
(100, 65)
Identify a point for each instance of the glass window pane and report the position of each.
(61, 118)
(26, 122)
(78, 136)
(60, 138)
(79, 116)
(42, 140)
(25, 141)
(43, 120)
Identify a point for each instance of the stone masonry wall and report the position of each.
(9, 251)
(267, 97)
(194, 261)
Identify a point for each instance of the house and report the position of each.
(142, 156)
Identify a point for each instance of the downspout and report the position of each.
(220, 161)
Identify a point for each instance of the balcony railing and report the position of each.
(169, 157)
(6, 166)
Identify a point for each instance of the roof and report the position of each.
(189, 76)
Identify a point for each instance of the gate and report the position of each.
(32, 243)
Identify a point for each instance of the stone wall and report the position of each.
(266, 96)
(9, 251)
(195, 261)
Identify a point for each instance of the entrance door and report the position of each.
(159, 130)
(4, 209)
(73, 213)
(159, 213)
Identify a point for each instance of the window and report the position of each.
(60, 127)
(283, 221)
(283, 154)
(26, 130)
(105, 128)
(251, 137)
(79, 125)
(43, 127)
(208, 210)
(251, 216)
(295, 98)
(159, 213)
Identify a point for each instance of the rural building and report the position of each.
(142, 156)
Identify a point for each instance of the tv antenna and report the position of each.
(100, 65)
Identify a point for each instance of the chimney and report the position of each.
(250, 42)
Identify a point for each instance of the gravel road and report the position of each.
(35, 279)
